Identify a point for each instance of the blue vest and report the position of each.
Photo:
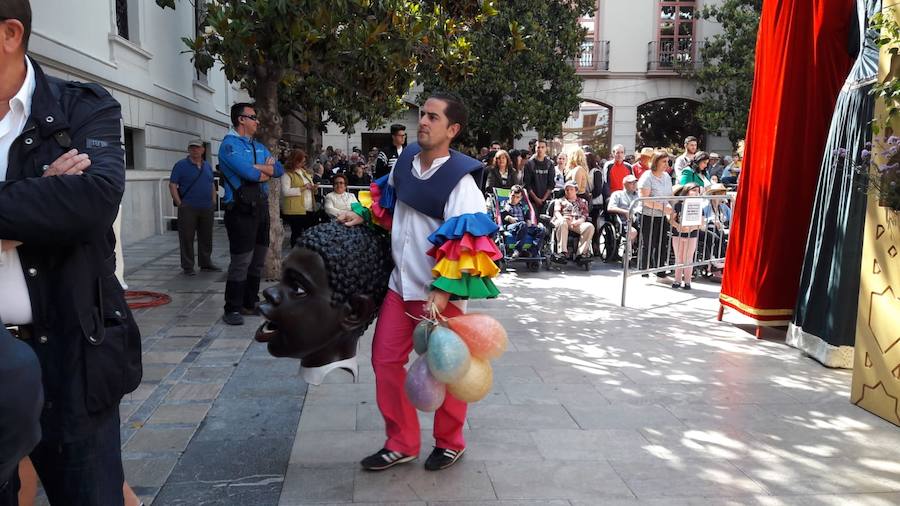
(430, 196)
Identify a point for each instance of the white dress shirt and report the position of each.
(15, 306)
(412, 277)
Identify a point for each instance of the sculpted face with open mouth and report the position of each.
(324, 300)
(300, 318)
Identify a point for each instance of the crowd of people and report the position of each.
(577, 190)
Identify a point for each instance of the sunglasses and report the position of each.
(252, 117)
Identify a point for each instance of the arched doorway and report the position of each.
(589, 126)
(666, 122)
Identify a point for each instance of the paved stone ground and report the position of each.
(597, 404)
(215, 417)
(655, 404)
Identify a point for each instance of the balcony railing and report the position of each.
(594, 56)
(669, 58)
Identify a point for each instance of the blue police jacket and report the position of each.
(237, 157)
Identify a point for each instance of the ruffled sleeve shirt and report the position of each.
(412, 274)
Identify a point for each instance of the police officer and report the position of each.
(246, 166)
(62, 176)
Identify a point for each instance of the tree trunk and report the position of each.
(270, 132)
(311, 123)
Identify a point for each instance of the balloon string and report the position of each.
(414, 317)
(434, 317)
(436, 314)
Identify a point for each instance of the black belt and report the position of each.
(23, 332)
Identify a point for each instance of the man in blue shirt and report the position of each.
(246, 166)
(193, 192)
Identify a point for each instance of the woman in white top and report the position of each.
(340, 199)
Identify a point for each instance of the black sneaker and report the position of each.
(189, 272)
(384, 459)
(233, 318)
(442, 458)
(211, 268)
(678, 285)
(687, 286)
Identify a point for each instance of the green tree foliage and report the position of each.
(665, 123)
(724, 75)
(339, 60)
(887, 90)
(523, 77)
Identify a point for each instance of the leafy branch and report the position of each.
(888, 91)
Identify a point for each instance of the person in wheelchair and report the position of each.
(515, 216)
(571, 214)
(620, 202)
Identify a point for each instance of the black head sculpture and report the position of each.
(331, 287)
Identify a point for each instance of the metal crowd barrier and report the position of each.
(654, 252)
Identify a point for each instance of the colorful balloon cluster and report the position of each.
(454, 356)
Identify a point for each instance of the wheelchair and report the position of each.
(556, 259)
(533, 251)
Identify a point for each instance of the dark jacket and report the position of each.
(540, 176)
(387, 157)
(495, 180)
(85, 337)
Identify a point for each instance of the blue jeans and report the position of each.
(86, 472)
(521, 230)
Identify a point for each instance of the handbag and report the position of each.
(245, 198)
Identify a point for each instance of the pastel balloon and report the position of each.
(448, 356)
(420, 336)
(484, 336)
(422, 390)
(475, 384)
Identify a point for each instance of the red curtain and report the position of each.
(801, 62)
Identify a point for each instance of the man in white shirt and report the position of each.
(62, 176)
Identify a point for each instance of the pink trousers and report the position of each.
(390, 352)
